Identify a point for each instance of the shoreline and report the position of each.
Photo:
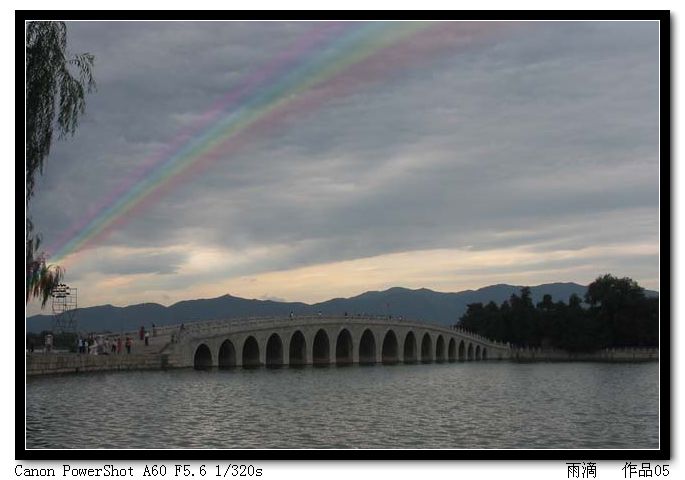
(46, 364)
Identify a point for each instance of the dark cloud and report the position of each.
(550, 131)
(136, 263)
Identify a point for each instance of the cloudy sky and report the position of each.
(449, 157)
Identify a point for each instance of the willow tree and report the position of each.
(56, 86)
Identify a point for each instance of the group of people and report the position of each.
(145, 334)
(103, 346)
(116, 345)
(83, 344)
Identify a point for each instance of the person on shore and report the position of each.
(154, 330)
(142, 332)
(128, 344)
(85, 347)
(114, 347)
(119, 345)
(147, 338)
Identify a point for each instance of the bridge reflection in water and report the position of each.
(325, 340)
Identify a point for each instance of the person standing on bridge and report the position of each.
(119, 344)
(142, 332)
(147, 338)
(128, 344)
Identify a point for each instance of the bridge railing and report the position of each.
(207, 327)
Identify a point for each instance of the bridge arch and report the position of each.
(202, 359)
(251, 353)
(452, 350)
(297, 351)
(389, 350)
(426, 348)
(409, 348)
(335, 340)
(440, 349)
(227, 355)
(367, 348)
(343, 348)
(321, 350)
(274, 351)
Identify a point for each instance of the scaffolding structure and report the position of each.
(64, 305)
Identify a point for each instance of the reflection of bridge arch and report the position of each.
(426, 348)
(389, 351)
(203, 357)
(321, 350)
(227, 355)
(367, 348)
(324, 341)
(274, 351)
(452, 350)
(297, 352)
(343, 348)
(251, 353)
(409, 348)
(440, 349)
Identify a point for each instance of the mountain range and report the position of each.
(422, 304)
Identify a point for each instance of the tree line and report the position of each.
(56, 86)
(614, 313)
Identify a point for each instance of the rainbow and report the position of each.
(331, 60)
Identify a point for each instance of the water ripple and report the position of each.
(467, 405)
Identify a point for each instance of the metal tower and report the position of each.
(64, 305)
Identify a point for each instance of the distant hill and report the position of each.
(422, 304)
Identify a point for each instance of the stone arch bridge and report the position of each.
(324, 340)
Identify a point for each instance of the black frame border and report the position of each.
(666, 187)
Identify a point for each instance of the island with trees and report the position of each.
(614, 314)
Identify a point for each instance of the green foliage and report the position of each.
(615, 302)
(40, 277)
(619, 315)
(51, 89)
(56, 86)
(613, 293)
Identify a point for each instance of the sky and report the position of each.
(457, 156)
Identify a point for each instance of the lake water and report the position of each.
(462, 405)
